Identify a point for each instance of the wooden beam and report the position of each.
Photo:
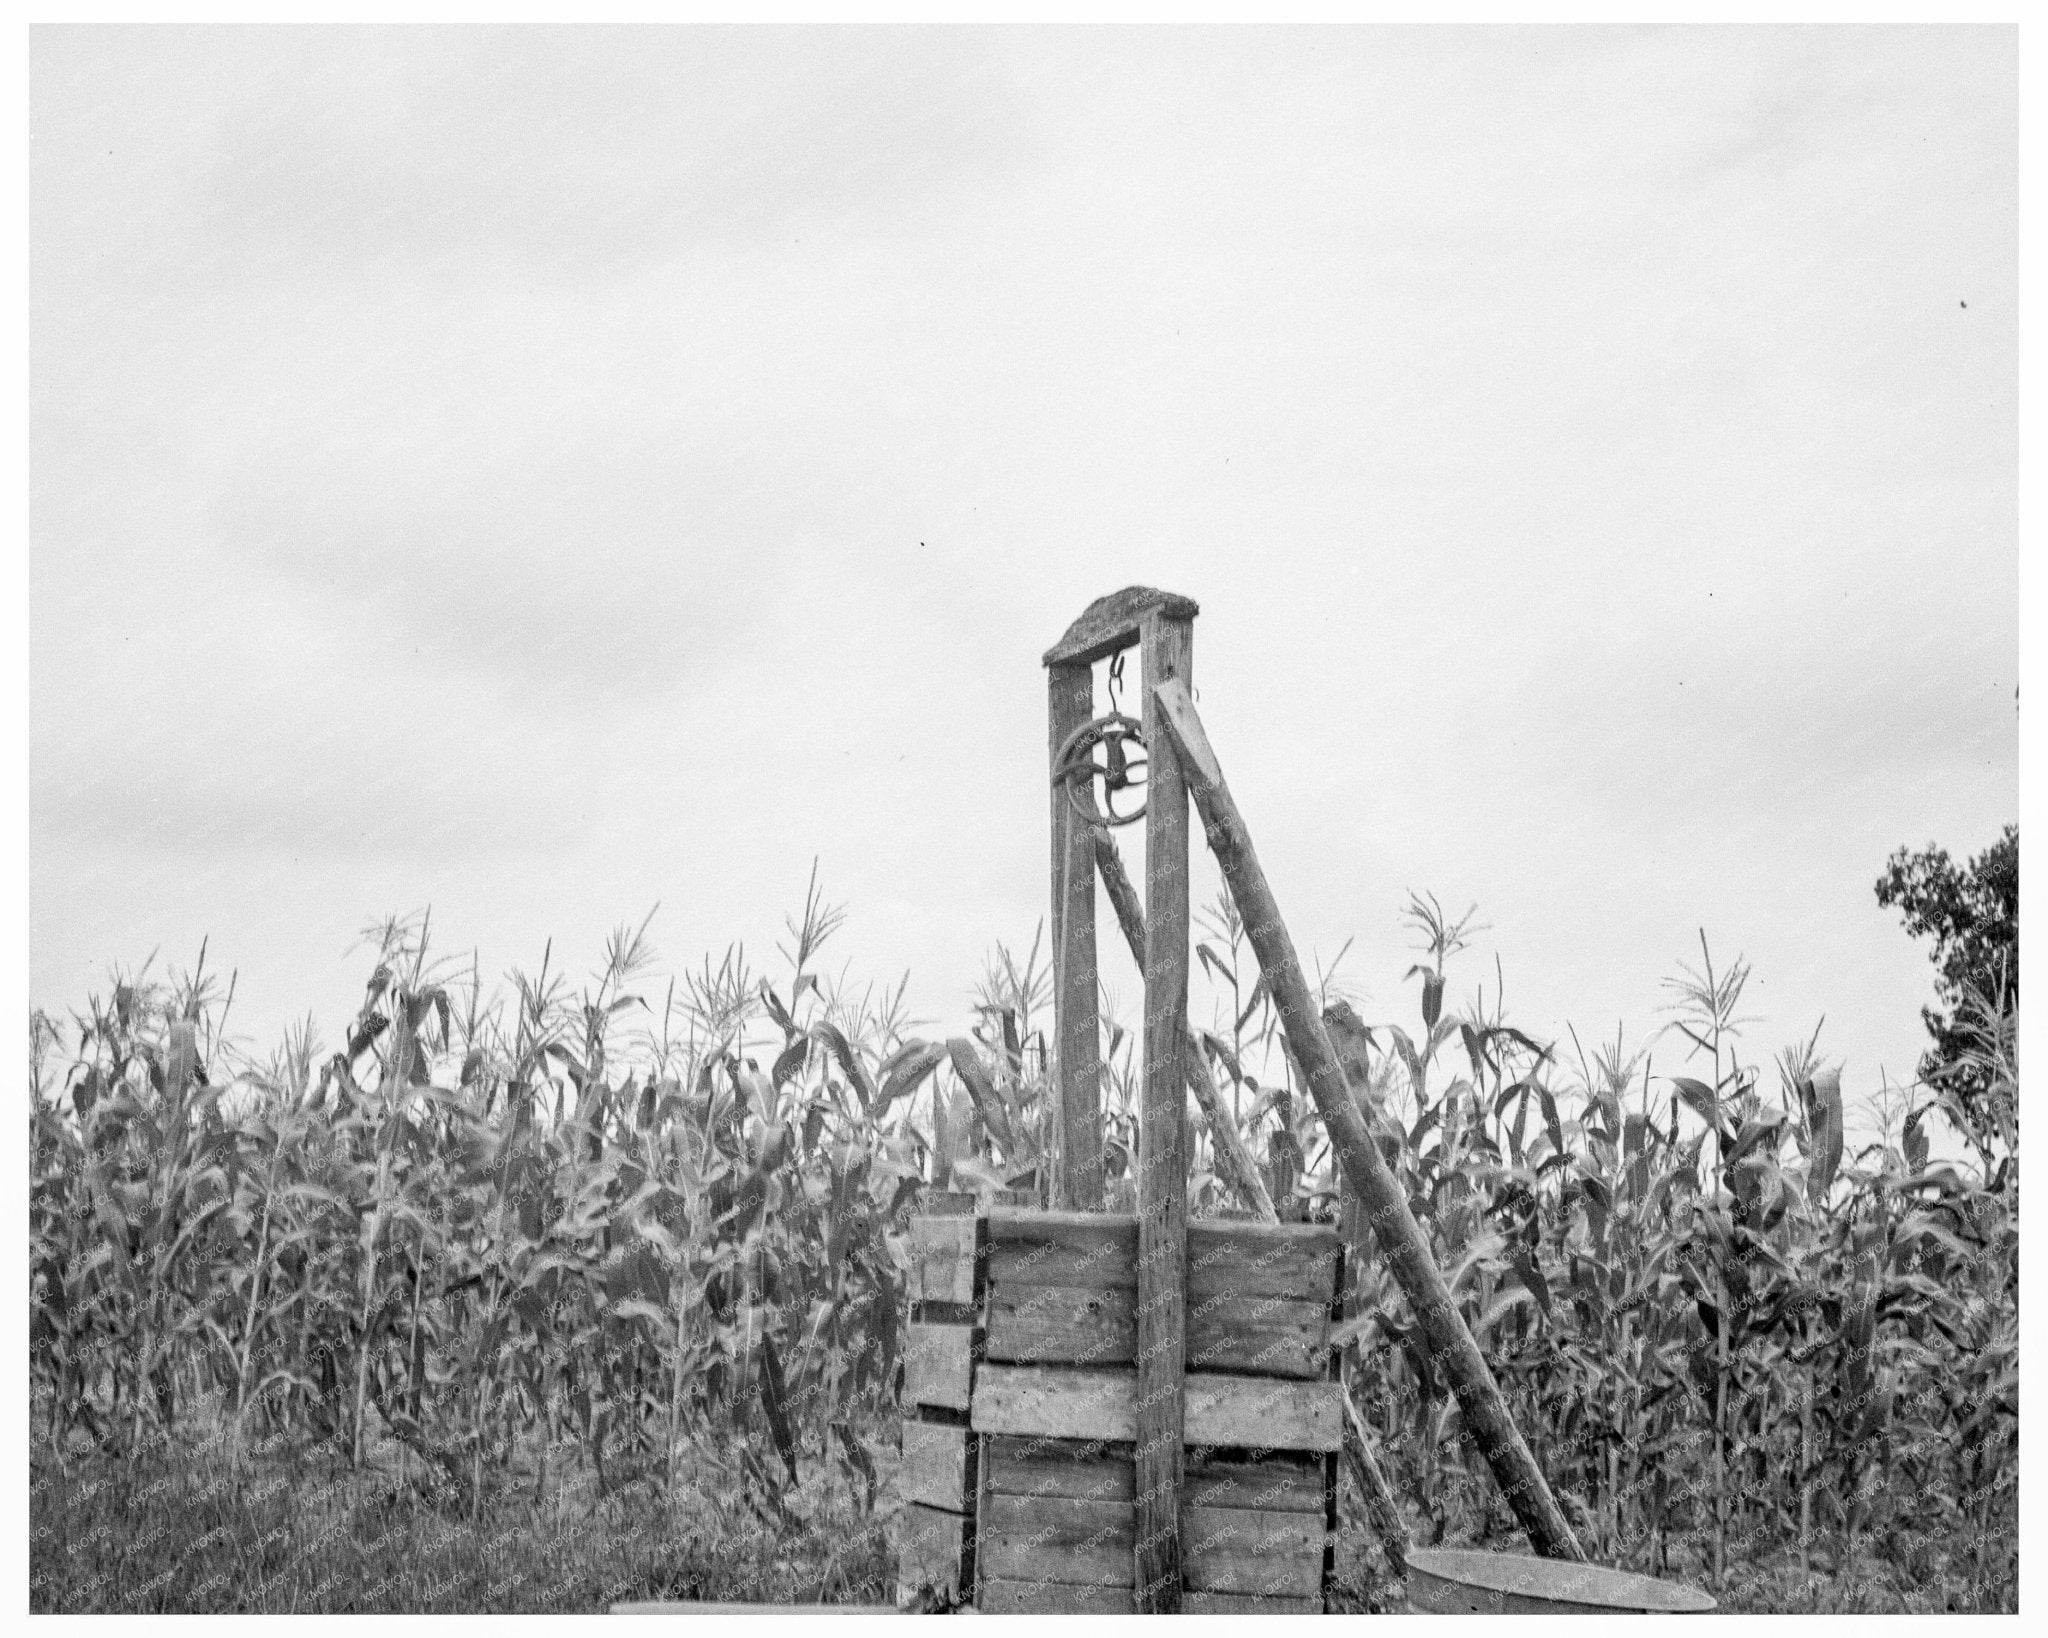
(1099, 1250)
(1238, 1412)
(1364, 1168)
(1111, 623)
(1280, 1483)
(1233, 1159)
(1253, 1551)
(685, 1606)
(938, 1366)
(1271, 1336)
(1297, 1262)
(1381, 1509)
(1080, 1325)
(1264, 1413)
(1064, 1541)
(1062, 1325)
(1214, 1603)
(935, 1553)
(1056, 1538)
(1004, 1597)
(945, 1255)
(1076, 1028)
(1166, 646)
(1084, 1470)
(1098, 1471)
(938, 1466)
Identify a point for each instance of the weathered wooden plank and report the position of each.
(1061, 1325)
(1195, 1602)
(1055, 1513)
(1112, 622)
(1242, 1412)
(1070, 691)
(1096, 1250)
(1264, 1413)
(934, 1551)
(1050, 1263)
(1079, 1325)
(1090, 1471)
(944, 1256)
(693, 1606)
(938, 1366)
(1003, 1597)
(938, 1466)
(1000, 1597)
(1282, 1483)
(1245, 1550)
(1059, 1521)
(1364, 1168)
(1262, 1575)
(1167, 645)
(1014, 1225)
(1294, 1262)
(1263, 1336)
(1056, 1538)
(1056, 1402)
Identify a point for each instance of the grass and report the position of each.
(291, 1530)
(1909, 1576)
(294, 1531)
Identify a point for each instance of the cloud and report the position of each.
(580, 149)
(576, 577)
(262, 730)
(311, 799)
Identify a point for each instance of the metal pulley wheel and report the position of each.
(1076, 769)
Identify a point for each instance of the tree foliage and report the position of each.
(1973, 916)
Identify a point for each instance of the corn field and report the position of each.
(660, 1232)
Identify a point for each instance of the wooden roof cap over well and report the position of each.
(1110, 623)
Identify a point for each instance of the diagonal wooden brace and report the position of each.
(1364, 1168)
(1234, 1160)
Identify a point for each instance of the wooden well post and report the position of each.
(1160, 626)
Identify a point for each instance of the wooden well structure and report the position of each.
(1021, 1471)
(1109, 1412)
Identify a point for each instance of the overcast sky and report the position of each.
(539, 473)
